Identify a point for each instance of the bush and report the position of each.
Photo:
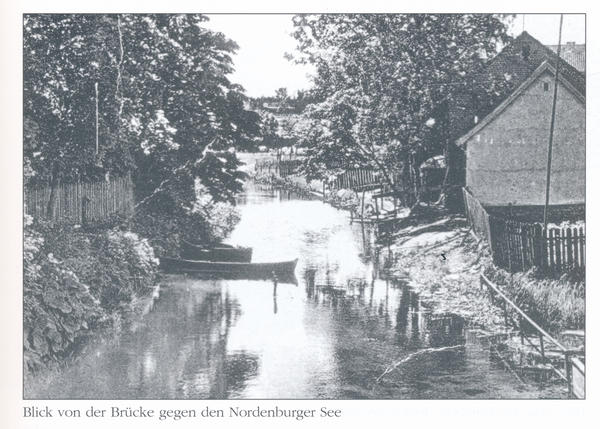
(205, 223)
(77, 285)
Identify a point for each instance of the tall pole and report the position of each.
(96, 118)
(549, 167)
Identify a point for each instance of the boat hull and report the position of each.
(238, 269)
(222, 253)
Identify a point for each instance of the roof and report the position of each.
(524, 55)
(517, 64)
(573, 54)
(489, 118)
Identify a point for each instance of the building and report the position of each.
(506, 150)
(573, 54)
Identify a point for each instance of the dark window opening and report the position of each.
(546, 86)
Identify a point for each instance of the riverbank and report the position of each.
(437, 255)
(85, 285)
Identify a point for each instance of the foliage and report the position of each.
(555, 304)
(148, 93)
(76, 285)
(287, 103)
(207, 222)
(379, 77)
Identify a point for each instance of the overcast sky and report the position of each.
(264, 39)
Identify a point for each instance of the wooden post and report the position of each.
(553, 114)
(362, 212)
(558, 245)
(582, 246)
(97, 144)
(576, 238)
(521, 330)
(568, 370)
(569, 249)
(523, 245)
(538, 240)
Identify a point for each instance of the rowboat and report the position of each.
(265, 270)
(218, 253)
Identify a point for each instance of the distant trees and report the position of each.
(379, 77)
(149, 94)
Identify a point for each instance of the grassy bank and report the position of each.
(443, 262)
(555, 302)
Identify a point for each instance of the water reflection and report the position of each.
(335, 334)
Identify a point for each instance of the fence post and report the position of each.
(523, 245)
(558, 249)
(569, 247)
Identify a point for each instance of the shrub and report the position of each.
(58, 311)
(207, 222)
(78, 285)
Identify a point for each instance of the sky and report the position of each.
(264, 39)
(260, 64)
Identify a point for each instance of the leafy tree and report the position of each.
(281, 94)
(378, 79)
(142, 93)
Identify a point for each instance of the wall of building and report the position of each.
(507, 159)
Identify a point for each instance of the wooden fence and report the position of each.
(518, 246)
(477, 216)
(352, 178)
(282, 168)
(83, 202)
(357, 179)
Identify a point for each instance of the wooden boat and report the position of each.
(266, 270)
(217, 253)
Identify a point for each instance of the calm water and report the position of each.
(344, 331)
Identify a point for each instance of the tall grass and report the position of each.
(556, 303)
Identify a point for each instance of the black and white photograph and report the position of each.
(309, 207)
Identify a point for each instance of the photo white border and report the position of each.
(355, 413)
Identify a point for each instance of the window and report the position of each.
(546, 86)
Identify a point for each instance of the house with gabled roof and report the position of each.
(572, 53)
(505, 150)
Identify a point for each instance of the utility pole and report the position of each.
(96, 118)
(549, 167)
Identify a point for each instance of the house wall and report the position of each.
(507, 159)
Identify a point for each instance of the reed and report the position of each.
(556, 303)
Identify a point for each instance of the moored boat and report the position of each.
(217, 253)
(240, 269)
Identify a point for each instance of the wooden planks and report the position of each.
(106, 198)
(518, 246)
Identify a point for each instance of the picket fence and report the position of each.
(518, 246)
(357, 179)
(83, 202)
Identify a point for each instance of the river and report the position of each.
(344, 331)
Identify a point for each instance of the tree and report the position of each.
(379, 77)
(142, 93)
(281, 94)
